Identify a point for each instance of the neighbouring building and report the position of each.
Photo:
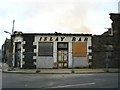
(115, 17)
(106, 47)
(51, 50)
(6, 51)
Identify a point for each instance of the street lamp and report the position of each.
(7, 32)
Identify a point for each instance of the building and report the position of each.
(100, 52)
(106, 47)
(115, 17)
(51, 50)
(6, 51)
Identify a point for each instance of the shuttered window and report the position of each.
(45, 49)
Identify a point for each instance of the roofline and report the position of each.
(114, 13)
(55, 34)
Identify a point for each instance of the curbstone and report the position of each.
(61, 71)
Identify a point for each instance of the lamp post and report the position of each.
(11, 48)
(7, 32)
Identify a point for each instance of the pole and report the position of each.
(11, 48)
(13, 27)
(11, 60)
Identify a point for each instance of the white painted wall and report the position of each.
(55, 53)
(70, 55)
(45, 62)
(42, 62)
(80, 62)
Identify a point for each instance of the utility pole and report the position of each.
(11, 48)
(13, 27)
(12, 68)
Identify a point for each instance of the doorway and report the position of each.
(17, 54)
(62, 55)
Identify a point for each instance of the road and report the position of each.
(44, 81)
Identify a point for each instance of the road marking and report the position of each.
(26, 85)
(73, 85)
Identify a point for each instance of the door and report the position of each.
(62, 55)
(62, 59)
(17, 54)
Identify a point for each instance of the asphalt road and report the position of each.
(45, 81)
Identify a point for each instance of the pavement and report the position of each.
(61, 71)
(4, 69)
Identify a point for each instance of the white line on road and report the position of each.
(73, 85)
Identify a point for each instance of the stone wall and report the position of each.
(106, 47)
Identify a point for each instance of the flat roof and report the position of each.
(54, 34)
(57, 34)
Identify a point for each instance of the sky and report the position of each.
(49, 16)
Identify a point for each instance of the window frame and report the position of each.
(41, 53)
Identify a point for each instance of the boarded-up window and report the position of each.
(79, 49)
(45, 49)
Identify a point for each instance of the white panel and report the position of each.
(60, 64)
(89, 43)
(23, 50)
(45, 62)
(23, 56)
(24, 42)
(34, 43)
(90, 57)
(55, 51)
(65, 58)
(59, 58)
(70, 55)
(65, 65)
(80, 62)
(35, 50)
(34, 57)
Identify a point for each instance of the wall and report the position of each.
(81, 61)
(27, 50)
(102, 55)
(30, 48)
(45, 62)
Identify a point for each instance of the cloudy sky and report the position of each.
(49, 16)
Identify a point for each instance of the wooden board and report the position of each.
(79, 49)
